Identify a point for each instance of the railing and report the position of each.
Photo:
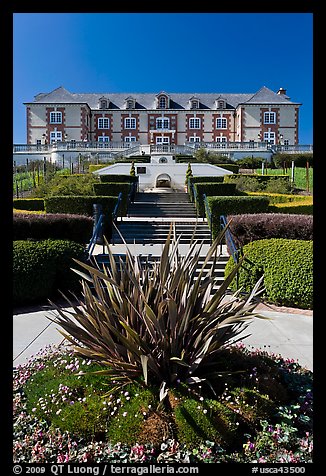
(96, 234)
(73, 145)
(115, 212)
(208, 213)
(232, 249)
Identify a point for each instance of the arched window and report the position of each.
(162, 102)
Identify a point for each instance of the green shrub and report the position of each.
(279, 197)
(40, 268)
(77, 184)
(32, 204)
(94, 167)
(118, 178)
(234, 168)
(80, 205)
(212, 189)
(113, 189)
(205, 179)
(217, 424)
(287, 266)
(256, 183)
(302, 207)
(234, 205)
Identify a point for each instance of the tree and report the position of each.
(132, 169)
(188, 173)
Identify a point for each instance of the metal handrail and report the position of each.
(96, 234)
(116, 208)
(208, 211)
(229, 240)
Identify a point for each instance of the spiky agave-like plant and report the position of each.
(157, 324)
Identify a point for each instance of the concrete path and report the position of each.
(286, 333)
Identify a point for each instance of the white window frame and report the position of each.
(162, 102)
(194, 123)
(269, 137)
(103, 123)
(221, 104)
(103, 141)
(162, 140)
(221, 123)
(221, 140)
(130, 123)
(269, 117)
(194, 139)
(55, 117)
(162, 123)
(55, 136)
(130, 139)
(194, 104)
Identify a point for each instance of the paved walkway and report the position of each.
(288, 332)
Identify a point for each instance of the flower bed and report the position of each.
(57, 400)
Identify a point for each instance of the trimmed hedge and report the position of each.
(258, 226)
(79, 204)
(118, 178)
(77, 228)
(231, 167)
(234, 205)
(287, 266)
(40, 268)
(280, 197)
(83, 205)
(113, 189)
(205, 179)
(32, 204)
(94, 167)
(304, 207)
(212, 189)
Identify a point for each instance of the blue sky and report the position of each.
(174, 52)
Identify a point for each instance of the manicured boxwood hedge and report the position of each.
(32, 204)
(212, 189)
(196, 179)
(77, 228)
(251, 227)
(79, 204)
(40, 268)
(287, 266)
(231, 167)
(118, 178)
(234, 205)
(113, 189)
(304, 207)
(94, 167)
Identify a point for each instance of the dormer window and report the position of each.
(130, 103)
(194, 103)
(162, 101)
(103, 103)
(220, 103)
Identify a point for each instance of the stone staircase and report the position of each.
(147, 225)
(161, 204)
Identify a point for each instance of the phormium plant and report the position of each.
(158, 325)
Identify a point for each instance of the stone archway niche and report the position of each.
(163, 180)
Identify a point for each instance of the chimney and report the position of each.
(281, 91)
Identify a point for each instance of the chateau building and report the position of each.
(163, 118)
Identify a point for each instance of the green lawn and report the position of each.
(300, 176)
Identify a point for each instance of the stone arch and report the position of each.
(163, 180)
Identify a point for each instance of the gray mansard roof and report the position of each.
(148, 100)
